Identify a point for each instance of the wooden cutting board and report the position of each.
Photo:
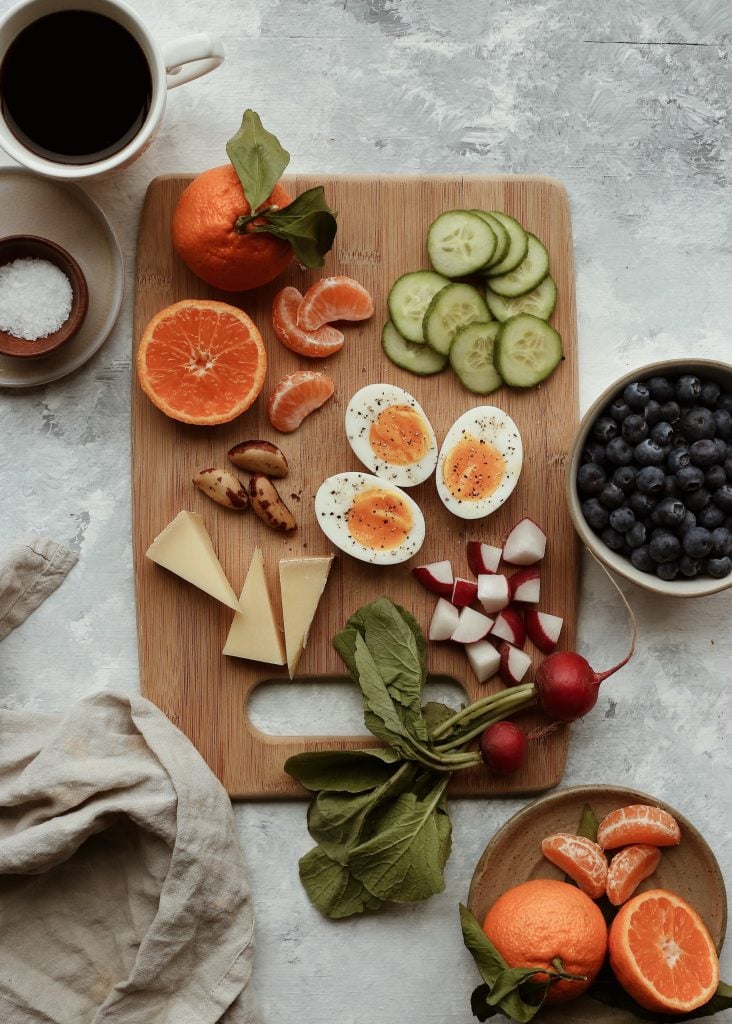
(382, 223)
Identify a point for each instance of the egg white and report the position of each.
(495, 427)
(363, 410)
(334, 498)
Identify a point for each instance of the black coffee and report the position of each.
(75, 87)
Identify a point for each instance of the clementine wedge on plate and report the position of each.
(662, 954)
(334, 298)
(201, 361)
(638, 823)
(628, 869)
(580, 858)
(314, 344)
(296, 396)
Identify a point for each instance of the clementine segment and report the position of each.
(534, 923)
(204, 234)
(314, 344)
(628, 869)
(334, 298)
(201, 361)
(638, 823)
(296, 396)
(662, 954)
(579, 858)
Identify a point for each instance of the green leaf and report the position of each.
(394, 649)
(376, 696)
(307, 223)
(257, 158)
(589, 824)
(331, 888)
(479, 1003)
(335, 820)
(488, 960)
(345, 644)
(606, 989)
(435, 714)
(345, 771)
(418, 637)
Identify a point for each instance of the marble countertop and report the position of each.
(626, 104)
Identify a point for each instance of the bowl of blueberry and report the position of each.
(650, 478)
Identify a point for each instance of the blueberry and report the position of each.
(697, 542)
(721, 542)
(664, 547)
(671, 412)
(642, 504)
(722, 498)
(650, 480)
(622, 519)
(676, 459)
(595, 452)
(637, 396)
(662, 433)
(723, 423)
(719, 567)
(641, 559)
(618, 410)
(590, 478)
(613, 539)
(660, 388)
(704, 453)
(635, 428)
(710, 393)
(715, 477)
(697, 423)
(624, 478)
(688, 389)
(725, 401)
(698, 500)
(653, 412)
(689, 478)
(668, 570)
(728, 467)
(711, 516)
(611, 496)
(636, 535)
(670, 490)
(619, 452)
(649, 453)
(594, 513)
(722, 448)
(668, 512)
(690, 566)
(686, 523)
(604, 429)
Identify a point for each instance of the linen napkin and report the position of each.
(28, 574)
(123, 893)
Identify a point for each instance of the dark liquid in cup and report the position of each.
(75, 87)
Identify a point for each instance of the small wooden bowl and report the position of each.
(15, 247)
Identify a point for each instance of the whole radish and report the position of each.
(503, 748)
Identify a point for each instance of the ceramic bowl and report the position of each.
(680, 587)
(15, 247)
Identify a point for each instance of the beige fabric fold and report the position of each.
(28, 574)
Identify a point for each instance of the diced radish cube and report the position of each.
(464, 592)
(435, 577)
(484, 659)
(444, 620)
(525, 585)
(493, 591)
(483, 558)
(515, 663)
(471, 627)
(509, 625)
(525, 544)
(543, 629)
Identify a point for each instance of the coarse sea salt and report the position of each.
(35, 298)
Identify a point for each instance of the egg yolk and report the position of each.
(379, 519)
(399, 436)
(473, 469)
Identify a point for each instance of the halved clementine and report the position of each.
(296, 396)
(579, 858)
(334, 298)
(314, 344)
(628, 869)
(201, 361)
(662, 954)
(638, 823)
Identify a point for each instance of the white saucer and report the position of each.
(32, 205)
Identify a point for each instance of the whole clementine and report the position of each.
(535, 922)
(205, 237)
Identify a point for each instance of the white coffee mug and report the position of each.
(170, 65)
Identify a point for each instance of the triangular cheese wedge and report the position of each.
(302, 582)
(184, 547)
(254, 633)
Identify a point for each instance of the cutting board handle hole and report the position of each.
(326, 707)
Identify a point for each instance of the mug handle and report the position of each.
(202, 52)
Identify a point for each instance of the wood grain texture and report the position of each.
(181, 632)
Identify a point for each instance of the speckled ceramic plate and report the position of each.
(514, 853)
(33, 205)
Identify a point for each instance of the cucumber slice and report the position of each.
(518, 243)
(502, 237)
(409, 355)
(459, 243)
(528, 274)
(452, 308)
(527, 350)
(540, 301)
(408, 300)
(471, 357)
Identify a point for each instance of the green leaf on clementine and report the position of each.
(258, 159)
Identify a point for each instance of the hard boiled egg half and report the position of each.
(390, 434)
(479, 462)
(369, 518)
